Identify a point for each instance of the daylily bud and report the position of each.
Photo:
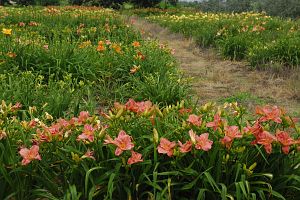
(252, 166)
(120, 112)
(181, 105)
(155, 136)
(158, 111)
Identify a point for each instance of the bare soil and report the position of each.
(215, 79)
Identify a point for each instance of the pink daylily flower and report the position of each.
(89, 154)
(123, 142)
(29, 155)
(202, 142)
(186, 147)
(166, 147)
(195, 120)
(87, 134)
(216, 123)
(83, 116)
(135, 158)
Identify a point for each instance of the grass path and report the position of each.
(216, 79)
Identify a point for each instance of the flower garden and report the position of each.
(260, 39)
(90, 110)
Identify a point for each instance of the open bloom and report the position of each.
(270, 114)
(216, 123)
(231, 132)
(135, 158)
(201, 142)
(266, 139)
(7, 31)
(123, 142)
(285, 140)
(29, 155)
(87, 134)
(138, 107)
(89, 154)
(166, 147)
(136, 44)
(186, 147)
(195, 120)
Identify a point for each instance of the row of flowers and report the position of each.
(91, 129)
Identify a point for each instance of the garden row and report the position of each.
(139, 151)
(262, 40)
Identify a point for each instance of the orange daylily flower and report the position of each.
(270, 113)
(136, 44)
(29, 155)
(195, 120)
(285, 140)
(134, 69)
(231, 132)
(185, 110)
(266, 139)
(166, 147)
(138, 107)
(123, 142)
(135, 158)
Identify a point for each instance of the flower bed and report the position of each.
(138, 150)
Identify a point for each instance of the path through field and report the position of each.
(215, 79)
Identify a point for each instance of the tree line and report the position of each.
(282, 8)
(104, 3)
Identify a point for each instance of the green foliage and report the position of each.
(262, 40)
(76, 168)
(95, 50)
(282, 8)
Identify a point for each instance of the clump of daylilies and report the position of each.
(200, 130)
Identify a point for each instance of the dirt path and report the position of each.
(215, 79)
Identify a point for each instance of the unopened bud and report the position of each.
(155, 136)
